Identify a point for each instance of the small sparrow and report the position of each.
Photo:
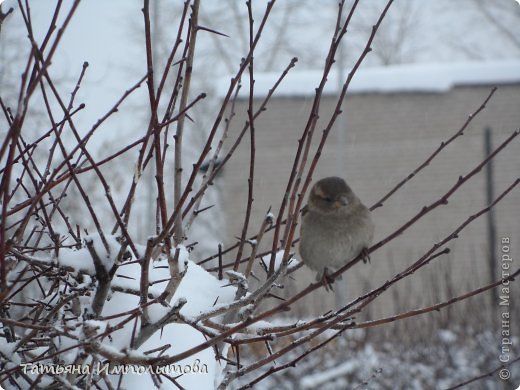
(335, 227)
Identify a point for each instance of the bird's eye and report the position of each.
(327, 199)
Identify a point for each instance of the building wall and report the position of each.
(379, 140)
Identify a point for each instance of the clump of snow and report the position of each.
(128, 276)
(201, 291)
(107, 257)
(293, 262)
(237, 278)
(259, 325)
(7, 351)
(184, 255)
(447, 336)
(98, 326)
(81, 259)
(198, 292)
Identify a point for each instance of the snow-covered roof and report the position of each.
(420, 77)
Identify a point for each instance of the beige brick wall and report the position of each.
(385, 137)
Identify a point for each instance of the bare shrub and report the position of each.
(73, 301)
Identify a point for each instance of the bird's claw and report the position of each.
(365, 255)
(327, 280)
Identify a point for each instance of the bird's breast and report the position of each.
(328, 241)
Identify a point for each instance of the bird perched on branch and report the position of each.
(335, 228)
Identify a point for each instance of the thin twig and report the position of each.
(178, 231)
(443, 144)
(252, 150)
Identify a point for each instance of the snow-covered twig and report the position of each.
(147, 331)
(266, 222)
(103, 279)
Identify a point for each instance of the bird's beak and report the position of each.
(341, 201)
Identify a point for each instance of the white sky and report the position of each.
(98, 34)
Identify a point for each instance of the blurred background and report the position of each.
(432, 64)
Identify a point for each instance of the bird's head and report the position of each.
(331, 195)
